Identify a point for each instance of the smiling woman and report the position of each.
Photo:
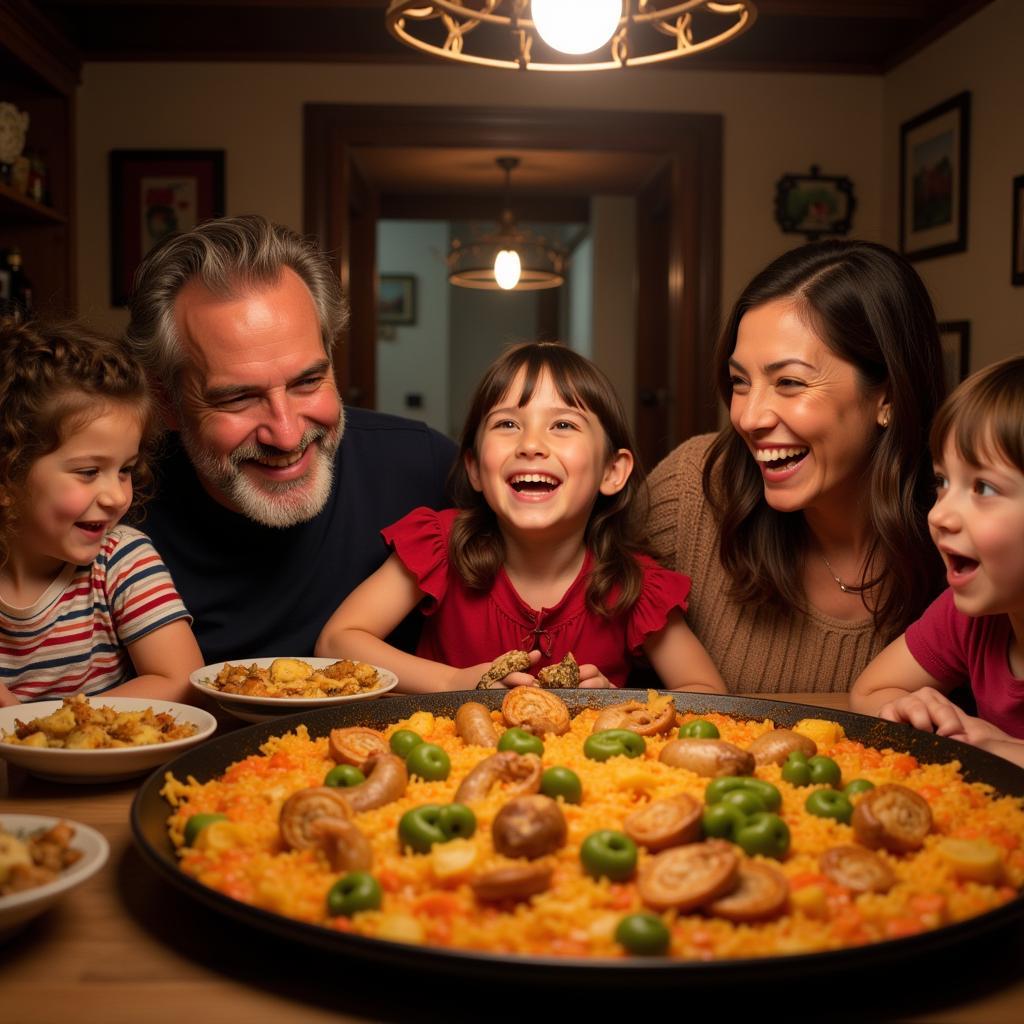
(803, 522)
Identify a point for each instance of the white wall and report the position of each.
(774, 123)
(415, 360)
(984, 56)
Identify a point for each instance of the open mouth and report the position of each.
(92, 526)
(960, 566)
(282, 461)
(780, 458)
(533, 483)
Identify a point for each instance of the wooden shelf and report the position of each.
(18, 209)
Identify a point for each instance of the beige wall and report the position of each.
(774, 123)
(982, 55)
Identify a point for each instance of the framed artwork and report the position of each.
(955, 336)
(814, 204)
(396, 299)
(934, 157)
(154, 193)
(1017, 262)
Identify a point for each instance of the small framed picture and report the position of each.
(154, 193)
(955, 336)
(396, 299)
(1017, 264)
(814, 204)
(934, 159)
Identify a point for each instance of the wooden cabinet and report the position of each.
(39, 73)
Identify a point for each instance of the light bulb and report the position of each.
(576, 26)
(507, 269)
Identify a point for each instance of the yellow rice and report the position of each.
(578, 915)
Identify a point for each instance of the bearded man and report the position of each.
(271, 495)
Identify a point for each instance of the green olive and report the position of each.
(600, 746)
(519, 741)
(643, 934)
(197, 823)
(353, 892)
(609, 854)
(562, 782)
(344, 775)
(857, 786)
(428, 761)
(830, 803)
(403, 741)
(698, 729)
(421, 827)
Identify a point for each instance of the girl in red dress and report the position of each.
(542, 554)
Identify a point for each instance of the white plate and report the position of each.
(19, 908)
(260, 709)
(101, 765)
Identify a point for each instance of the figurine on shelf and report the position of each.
(37, 184)
(13, 126)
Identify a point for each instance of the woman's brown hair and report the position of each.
(868, 305)
(614, 531)
(53, 379)
(985, 415)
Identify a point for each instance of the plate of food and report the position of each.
(99, 738)
(258, 689)
(42, 859)
(580, 835)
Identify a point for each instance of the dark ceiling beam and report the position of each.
(906, 10)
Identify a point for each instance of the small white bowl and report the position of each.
(109, 765)
(19, 908)
(260, 709)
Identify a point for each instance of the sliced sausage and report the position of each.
(301, 811)
(775, 746)
(637, 718)
(857, 869)
(529, 826)
(356, 745)
(386, 781)
(522, 773)
(475, 726)
(535, 710)
(516, 882)
(892, 817)
(670, 821)
(346, 847)
(761, 893)
(687, 877)
(710, 758)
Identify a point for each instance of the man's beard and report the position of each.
(272, 503)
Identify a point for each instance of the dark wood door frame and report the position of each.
(691, 147)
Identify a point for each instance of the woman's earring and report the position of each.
(885, 420)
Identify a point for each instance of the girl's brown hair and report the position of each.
(868, 305)
(53, 379)
(985, 415)
(616, 526)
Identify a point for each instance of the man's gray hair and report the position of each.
(228, 256)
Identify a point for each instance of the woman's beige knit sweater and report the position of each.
(755, 650)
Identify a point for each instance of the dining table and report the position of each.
(127, 947)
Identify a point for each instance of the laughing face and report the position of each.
(77, 493)
(802, 411)
(977, 523)
(261, 419)
(541, 466)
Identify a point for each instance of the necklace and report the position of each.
(846, 588)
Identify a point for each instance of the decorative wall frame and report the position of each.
(955, 336)
(396, 299)
(814, 204)
(1017, 258)
(934, 165)
(153, 193)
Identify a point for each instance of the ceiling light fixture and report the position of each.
(550, 35)
(509, 259)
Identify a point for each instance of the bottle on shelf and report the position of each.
(19, 288)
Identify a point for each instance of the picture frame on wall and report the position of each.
(396, 299)
(154, 193)
(814, 204)
(1017, 259)
(934, 165)
(955, 336)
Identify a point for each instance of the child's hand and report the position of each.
(523, 678)
(975, 731)
(925, 709)
(7, 699)
(592, 678)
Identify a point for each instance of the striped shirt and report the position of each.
(74, 639)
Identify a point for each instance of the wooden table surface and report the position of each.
(128, 947)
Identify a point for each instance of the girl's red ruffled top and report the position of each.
(466, 627)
